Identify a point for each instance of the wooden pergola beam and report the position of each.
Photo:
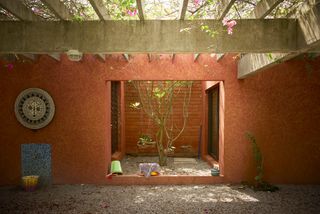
(19, 10)
(29, 56)
(58, 8)
(308, 39)
(277, 35)
(100, 9)
(264, 8)
(196, 57)
(140, 10)
(55, 56)
(225, 6)
(259, 62)
(173, 56)
(183, 9)
(251, 64)
(126, 56)
(309, 26)
(102, 56)
(219, 56)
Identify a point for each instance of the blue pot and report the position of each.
(215, 172)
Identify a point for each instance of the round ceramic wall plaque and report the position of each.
(34, 108)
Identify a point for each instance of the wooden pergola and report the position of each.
(255, 37)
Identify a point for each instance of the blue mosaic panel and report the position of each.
(36, 160)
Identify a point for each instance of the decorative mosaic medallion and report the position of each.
(34, 108)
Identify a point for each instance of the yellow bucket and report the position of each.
(29, 183)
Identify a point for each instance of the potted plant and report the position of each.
(145, 141)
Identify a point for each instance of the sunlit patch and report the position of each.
(81, 9)
(126, 10)
(161, 9)
(286, 8)
(241, 9)
(158, 9)
(217, 194)
(38, 8)
(139, 199)
(247, 198)
(6, 15)
(226, 199)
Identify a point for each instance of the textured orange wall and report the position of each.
(137, 122)
(281, 106)
(78, 131)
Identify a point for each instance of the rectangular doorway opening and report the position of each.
(115, 116)
(198, 148)
(213, 122)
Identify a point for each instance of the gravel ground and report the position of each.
(159, 199)
(130, 165)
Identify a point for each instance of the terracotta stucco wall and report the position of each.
(78, 132)
(280, 106)
(137, 122)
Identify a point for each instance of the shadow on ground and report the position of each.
(159, 199)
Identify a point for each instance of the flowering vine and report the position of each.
(230, 24)
(129, 6)
(132, 11)
(197, 2)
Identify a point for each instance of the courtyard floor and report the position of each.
(88, 199)
(175, 166)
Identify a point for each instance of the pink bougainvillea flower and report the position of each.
(197, 2)
(132, 12)
(230, 24)
(10, 66)
(224, 21)
(229, 30)
(36, 10)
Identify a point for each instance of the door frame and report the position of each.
(207, 85)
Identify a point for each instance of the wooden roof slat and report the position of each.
(195, 57)
(261, 61)
(29, 56)
(101, 56)
(308, 40)
(173, 56)
(219, 56)
(250, 64)
(100, 9)
(58, 8)
(19, 10)
(183, 9)
(309, 24)
(126, 56)
(225, 6)
(140, 10)
(264, 8)
(55, 56)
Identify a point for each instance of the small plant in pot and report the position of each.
(145, 141)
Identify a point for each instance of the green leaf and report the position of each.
(269, 55)
(159, 93)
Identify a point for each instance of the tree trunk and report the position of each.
(162, 158)
(161, 151)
